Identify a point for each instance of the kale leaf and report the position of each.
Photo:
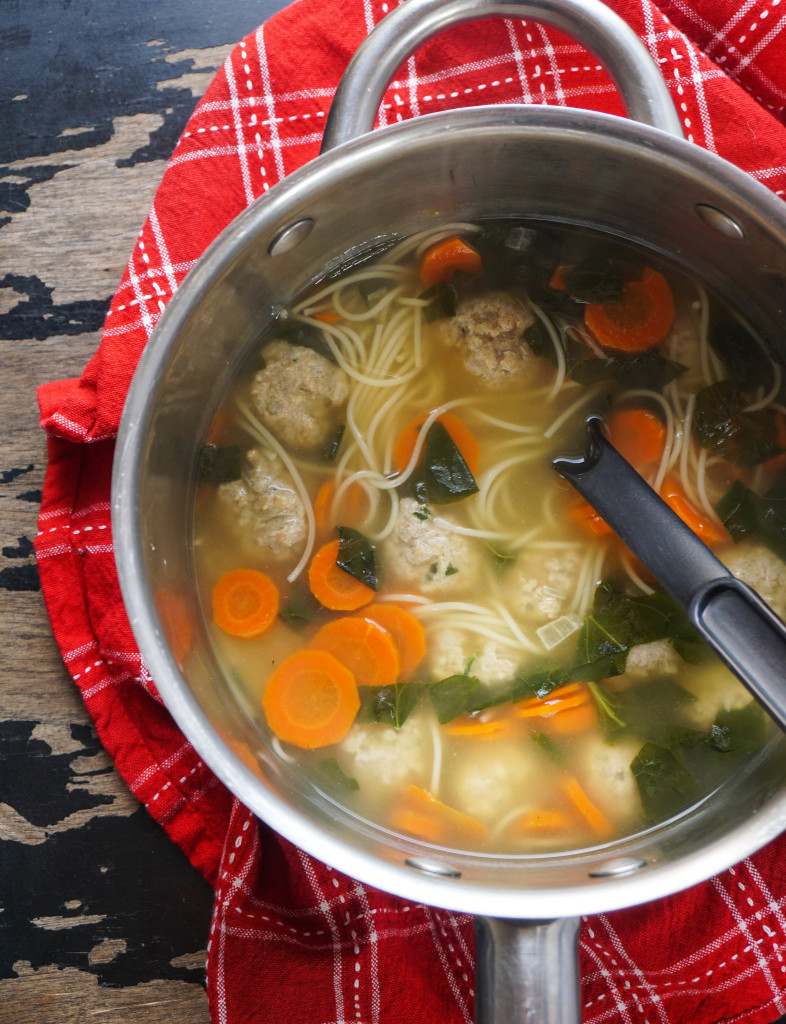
(441, 476)
(357, 556)
(745, 439)
(219, 465)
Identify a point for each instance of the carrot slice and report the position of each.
(352, 506)
(175, 619)
(366, 649)
(451, 254)
(422, 815)
(595, 818)
(674, 496)
(311, 700)
(407, 633)
(557, 281)
(461, 436)
(332, 586)
(327, 316)
(245, 603)
(640, 319)
(638, 435)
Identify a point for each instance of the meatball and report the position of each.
(424, 555)
(604, 772)
(300, 395)
(492, 778)
(387, 758)
(541, 582)
(450, 650)
(647, 661)
(266, 505)
(715, 689)
(761, 569)
(489, 330)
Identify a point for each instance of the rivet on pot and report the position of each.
(618, 866)
(432, 867)
(722, 222)
(290, 236)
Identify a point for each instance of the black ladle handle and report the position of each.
(728, 614)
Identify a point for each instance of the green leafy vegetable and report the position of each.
(740, 729)
(389, 705)
(649, 371)
(357, 556)
(441, 476)
(747, 514)
(654, 710)
(301, 608)
(443, 300)
(595, 279)
(500, 559)
(549, 747)
(302, 335)
(537, 337)
(741, 354)
(665, 785)
(745, 439)
(457, 695)
(607, 707)
(219, 465)
(618, 622)
(333, 776)
(540, 682)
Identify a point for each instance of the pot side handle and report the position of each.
(527, 971)
(625, 58)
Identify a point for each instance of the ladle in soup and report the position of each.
(728, 614)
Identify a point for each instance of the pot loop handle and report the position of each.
(618, 48)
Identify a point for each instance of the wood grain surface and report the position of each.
(101, 916)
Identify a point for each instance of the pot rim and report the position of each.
(266, 217)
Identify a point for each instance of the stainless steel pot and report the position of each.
(634, 179)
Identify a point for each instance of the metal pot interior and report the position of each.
(556, 166)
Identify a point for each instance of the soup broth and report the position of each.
(417, 611)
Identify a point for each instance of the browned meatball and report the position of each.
(488, 331)
(266, 505)
(300, 395)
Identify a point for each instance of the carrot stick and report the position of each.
(640, 319)
(451, 254)
(638, 435)
(595, 818)
(570, 696)
(422, 815)
(332, 586)
(674, 496)
(366, 649)
(327, 316)
(494, 728)
(406, 631)
(544, 820)
(245, 603)
(311, 700)
(569, 721)
(461, 436)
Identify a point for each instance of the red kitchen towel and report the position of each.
(293, 939)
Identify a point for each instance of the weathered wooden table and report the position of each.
(101, 916)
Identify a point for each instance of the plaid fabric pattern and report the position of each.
(293, 939)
